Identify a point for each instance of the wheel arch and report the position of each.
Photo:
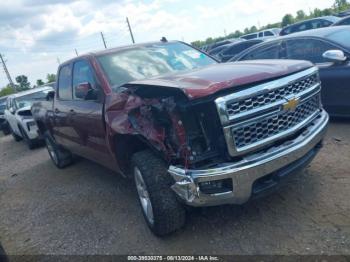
(125, 145)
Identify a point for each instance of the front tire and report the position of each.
(161, 209)
(59, 156)
(6, 129)
(30, 143)
(16, 137)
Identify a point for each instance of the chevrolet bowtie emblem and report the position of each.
(291, 105)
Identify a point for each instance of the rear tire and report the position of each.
(161, 209)
(59, 156)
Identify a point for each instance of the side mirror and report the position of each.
(12, 110)
(334, 56)
(50, 96)
(84, 91)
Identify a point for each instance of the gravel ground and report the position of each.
(87, 209)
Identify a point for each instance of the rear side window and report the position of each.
(307, 26)
(288, 30)
(252, 36)
(308, 49)
(65, 83)
(264, 52)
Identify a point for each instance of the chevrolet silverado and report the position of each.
(187, 129)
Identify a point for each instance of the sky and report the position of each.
(35, 35)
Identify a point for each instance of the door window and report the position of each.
(308, 49)
(268, 33)
(82, 73)
(264, 52)
(64, 83)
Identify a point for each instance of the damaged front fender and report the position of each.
(154, 119)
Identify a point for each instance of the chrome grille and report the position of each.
(277, 94)
(255, 132)
(257, 116)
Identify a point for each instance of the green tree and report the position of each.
(317, 12)
(23, 83)
(8, 90)
(300, 15)
(39, 82)
(253, 29)
(288, 19)
(51, 78)
(341, 5)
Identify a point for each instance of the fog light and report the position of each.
(216, 186)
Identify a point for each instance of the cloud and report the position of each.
(35, 32)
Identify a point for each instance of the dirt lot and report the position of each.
(86, 209)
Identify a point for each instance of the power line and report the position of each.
(103, 39)
(131, 34)
(7, 72)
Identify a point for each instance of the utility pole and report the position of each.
(131, 34)
(58, 61)
(76, 52)
(103, 39)
(7, 72)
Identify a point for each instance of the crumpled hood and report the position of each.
(211, 79)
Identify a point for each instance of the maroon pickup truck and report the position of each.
(187, 129)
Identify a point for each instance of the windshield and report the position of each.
(341, 37)
(151, 60)
(28, 100)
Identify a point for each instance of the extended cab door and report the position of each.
(63, 130)
(335, 77)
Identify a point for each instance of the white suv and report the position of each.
(19, 116)
(269, 33)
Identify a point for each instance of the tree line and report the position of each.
(288, 19)
(23, 84)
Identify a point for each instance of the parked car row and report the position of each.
(4, 127)
(229, 51)
(328, 48)
(17, 116)
(310, 24)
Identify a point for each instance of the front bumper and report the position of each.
(247, 171)
(31, 129)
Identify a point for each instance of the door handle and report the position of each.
(72, 112)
